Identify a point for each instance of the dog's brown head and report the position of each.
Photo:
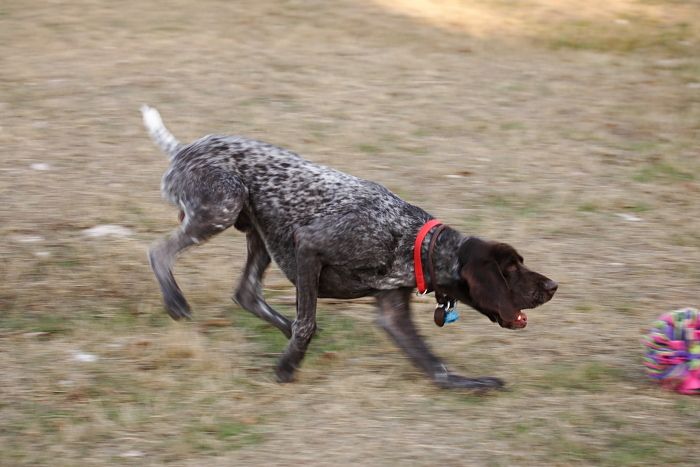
(495, 282)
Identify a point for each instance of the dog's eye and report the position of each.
(512, 268)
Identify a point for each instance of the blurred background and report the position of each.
(568, 129)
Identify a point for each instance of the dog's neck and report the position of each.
(444, 259)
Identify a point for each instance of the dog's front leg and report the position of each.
(395, 318)
(304, 326)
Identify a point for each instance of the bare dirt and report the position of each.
(568, 131)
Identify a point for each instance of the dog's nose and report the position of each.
(551, 286)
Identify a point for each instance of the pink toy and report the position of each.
(672, 350)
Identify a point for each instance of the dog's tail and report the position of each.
(159, 134)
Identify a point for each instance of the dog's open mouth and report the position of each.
(519, 322)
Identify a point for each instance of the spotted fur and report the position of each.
(332, 234)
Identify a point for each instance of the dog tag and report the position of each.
(445, 313)
(439, 316)
(451, 316)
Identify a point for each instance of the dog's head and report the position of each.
(494, 281)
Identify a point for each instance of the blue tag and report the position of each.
(451, 316)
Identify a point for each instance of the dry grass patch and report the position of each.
(621, 26)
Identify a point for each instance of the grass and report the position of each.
(556, 116)
(369, 148)
(336, 335)
(589, 206)
(623, 28)
(40, 323)
(223, 434)
(523, 206)
(511, 126)
(662, 171)
(647, 34)
(268, 338)
(635, 449)
(590, 377)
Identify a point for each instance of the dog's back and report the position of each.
(285, 191)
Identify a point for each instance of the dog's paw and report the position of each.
(177, 307)
(453, 381)
(284, 374)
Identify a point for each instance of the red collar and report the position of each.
(417, 260)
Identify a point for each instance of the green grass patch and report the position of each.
(467, 399)
(662, 171)
(369, 148)
(510, 126)
(627, 309)
(631, 34)
(685, 239)
(417, 150)
(35, 322)
(227, 430)
(637, 207)
(642, 147)
(523, 206)
(472, 222)
(335, 333)
(635, 449)
(226, 434)
(564, 449)
(588, 206)
(124, 316)
(592, 376)
(265, 335)
(617, 449)
(339, 332)
(688, 72)
(688, 409)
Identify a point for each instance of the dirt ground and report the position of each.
(568, 129)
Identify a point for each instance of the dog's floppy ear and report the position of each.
(488, 290)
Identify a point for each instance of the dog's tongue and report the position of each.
(520, 320)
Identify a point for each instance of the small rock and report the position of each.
(629, 217)
(33, 335)
(40, 166)
(671, 62)
(84, 357)
(29, 239)
(132, 453)
(42, 254)
(693, 85)
(107, 230)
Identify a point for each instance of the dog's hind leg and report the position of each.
(208, 211)
(395, 318)
(249, 292)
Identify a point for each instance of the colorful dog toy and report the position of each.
(672, 351)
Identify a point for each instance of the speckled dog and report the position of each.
(333, 235)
